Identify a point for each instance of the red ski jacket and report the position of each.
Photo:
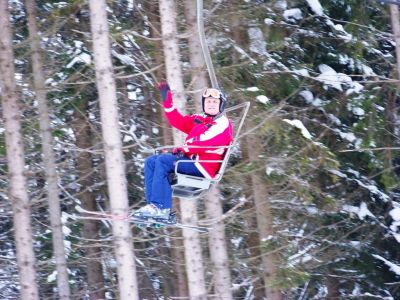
(202, 131)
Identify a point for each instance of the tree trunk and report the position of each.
(218, 248)
(391, 107)
(114, 159)
(264, 218)
(16, 162)
(192, 244)
(332, 284)
(94, 270)
(253, 244)
(395, 19)
(180, 288)
(153, 14)
(259, 192)
(217, 239)
(48, 155)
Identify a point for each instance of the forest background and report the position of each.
(309, 207)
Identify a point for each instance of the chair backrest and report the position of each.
(224, 163)
(237, 122)
(192, 187)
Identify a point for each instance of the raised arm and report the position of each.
(174, 117)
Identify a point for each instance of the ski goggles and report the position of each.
(211, 92)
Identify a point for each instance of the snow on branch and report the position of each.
(393, 267)
(298, 124)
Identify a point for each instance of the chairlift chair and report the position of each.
(192, 187)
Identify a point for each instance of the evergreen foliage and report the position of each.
(319, 82)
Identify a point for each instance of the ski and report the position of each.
(160, 223)
(147, 222)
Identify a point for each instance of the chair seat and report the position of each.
(188, 186)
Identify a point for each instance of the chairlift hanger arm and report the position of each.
(204, 47)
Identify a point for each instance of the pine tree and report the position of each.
(115, 164)
(17, 189)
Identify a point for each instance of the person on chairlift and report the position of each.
(211, 132)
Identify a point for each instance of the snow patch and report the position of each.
(252, 89)
(281, 4)
(337, 173)
(125, 59)
(348, 136)
(367, 70)
(307, 95)
(358, 111)
(302, 72)
(269, 171)
(292, 14)
(257, 41)
(316, 7)
(132, 95)
(330, 77)
(302, 256)
(244, 54)
(263, 99)
(66, 231)
(395, 213)
(355, 87)
(392, 266)
(361, 211)
(334, 119)
(81, 58)
(298, 124)
(52, 277)
(374, 190)
(268, 21)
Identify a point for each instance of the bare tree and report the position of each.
(263, 211)
(395, 19)
(17, 192)
(259, 191)
(94, 270)
(217, 240)
(48, 154)
(391, 106)
(114, 159)
(192, 243)
(180, 288)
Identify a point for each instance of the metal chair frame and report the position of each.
(192, 187)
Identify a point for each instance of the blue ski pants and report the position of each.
(156, 170)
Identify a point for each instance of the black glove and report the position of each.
(163, 87)
(178, 152)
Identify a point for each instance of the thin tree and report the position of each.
(217, 240)
(179, 286)
(240, 37)
(94, 269)
(395, 20)
(48, 154)
(192, 243)
(260, 193)
(17, 189)
(114, 159)
(391, 107)
(264, 217)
